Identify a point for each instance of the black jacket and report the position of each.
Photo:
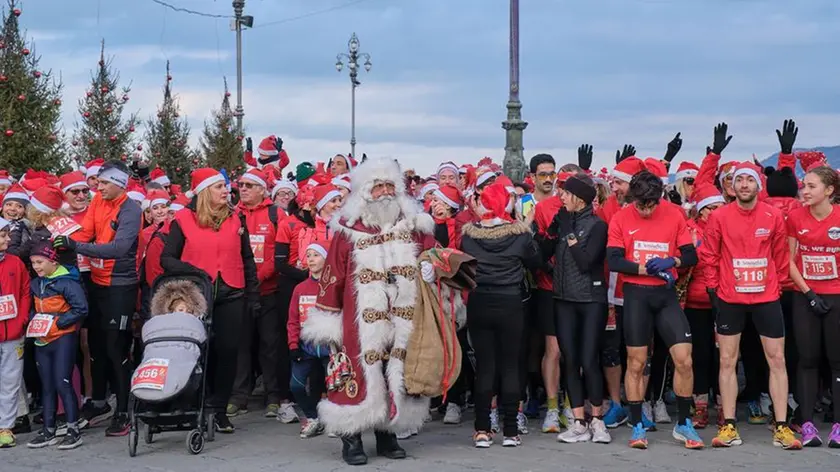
(579, 269)
(504, 252)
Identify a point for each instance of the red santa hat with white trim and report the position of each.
(426, 188)
(93, 167)
(202, 178)
(136, 192)
(687, 170)
(705, 195)
(750, 169)
(180, 202)
(5, 179)
(284, 184)
(627, 168)
(158, 176)
(16, 193)
(72, 180)
(450, 195)
(256, 176)
(342, 181)
(157, 197)
(320, 247)
(657, 168)
(47, 199)
(447, 166)
(323, 195)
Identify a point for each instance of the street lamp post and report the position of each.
(514, 163)
(239, 20)
(351, 57)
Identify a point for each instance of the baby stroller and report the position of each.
(169, 387)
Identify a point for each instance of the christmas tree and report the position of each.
(166, 137)
(103, 133)
(30, 105)
(220, 144)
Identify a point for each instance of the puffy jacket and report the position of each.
(579, 269)
(14, 283)
(62, 296)
(109, 236)
(19, 232)
(262, 229)
(503, 253)
(753, 240)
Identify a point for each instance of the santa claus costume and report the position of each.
(365, 307)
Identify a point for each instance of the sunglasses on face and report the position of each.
(689, 180)
(248, 185)
(546, 175)
(78, 191)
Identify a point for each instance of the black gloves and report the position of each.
(628, 151)
(63, 242)
(787, 136)
(721, 140)
(674, 196)
(673, 148)
(249, 145)
(278, 143)
(296, 355)
(561, 224)
(585, 156)
(819, 306)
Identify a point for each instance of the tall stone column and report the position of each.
(514, 164)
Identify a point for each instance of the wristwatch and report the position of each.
(571, 237)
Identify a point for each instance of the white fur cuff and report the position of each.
(322, 326)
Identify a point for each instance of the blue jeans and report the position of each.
(55, 363)
(303, 371)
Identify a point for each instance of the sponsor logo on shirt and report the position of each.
(632, 232)
(834, 233)
(762, 233)
(803, 231)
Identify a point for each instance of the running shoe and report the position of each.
(578, 432)
(71, 440)
(494, 421)
(810, 435)
(61, 426)
(119, 426)
(686, 434)
(834, 437)
(96, 414)
(453, 414)
(286, 414)
(639, 438)
(615, 416)
(22, 425)
(44, 438)
(756, 413)
(7, 439)
(660, 412)
(271, 410)
(551, 423)
(646, 421)
(521, 423)
(233, 411)
(600, 433)
(311, 427)
(727, 436)
(482, 439)
(511, 441)
(785, 438)
(223, 424)
(701, 416)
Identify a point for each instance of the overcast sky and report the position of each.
(605, 72)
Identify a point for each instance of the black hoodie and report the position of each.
(503, 253)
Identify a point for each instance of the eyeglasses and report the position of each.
(248, 185)
(285, 194)
(78, 191)
(546, 175)
(689, 180)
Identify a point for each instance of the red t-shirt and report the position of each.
(544, 212)
(642, 239)
(819, 243)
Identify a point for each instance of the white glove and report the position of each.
(427, 271)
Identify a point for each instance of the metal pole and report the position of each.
(353, 118)
(238, 6)
(352, 57)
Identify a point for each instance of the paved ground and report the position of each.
(261, 445)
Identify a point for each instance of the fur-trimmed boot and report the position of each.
(352, 450)
(387, 445)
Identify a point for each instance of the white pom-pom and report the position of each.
(189, 194)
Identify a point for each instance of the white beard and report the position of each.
(382, 212)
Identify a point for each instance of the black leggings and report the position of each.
(703, 354)
(494, 321)
(109, 337)
(812, 333)
(224, 350)
(580, 329)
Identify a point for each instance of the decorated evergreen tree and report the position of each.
(30, 105)
(102, 132)
(221, 145)
(166, 137)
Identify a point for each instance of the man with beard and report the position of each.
(365, 307)
(745, 255)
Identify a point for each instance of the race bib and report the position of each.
(151, 375)
(8, 307)
(40, 325)
(97, 263)
(63, 226)
(258, 247)
(750, 275)
(819, 267)
(84, 263)
(644, 251)
(305, 302)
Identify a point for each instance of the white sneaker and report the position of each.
(660, 412)
(521, 423)
(453, 414)
(513, 441)
(766, 404)
(600, 433)
(551, 423)
(494, 421)
(286, 414)
(311, 428)
(577, 432)
(482, 440)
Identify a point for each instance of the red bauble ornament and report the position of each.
(113, 138)
(90, 141)
(58, 102)
(75, 143)
(109, 110)
(21, 97)
(104, 89)
(25, 51)
(177, 115)
(157, 154)
(89, 93)
(240, 138)
(2, 44)
(52, 137)
(3, 78)
(177, 169)
(195, 162)
(227, 94)
(139, 147)
(125, 98)
(122, 157)
(16, 11)
(10, 132)
(37, 74)
(101, 62)
(86, 114)
(168, 77)
(131, 128)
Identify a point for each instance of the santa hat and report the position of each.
(447, 166)
(323, 195)
(71, 180)
(750, 169)
(494, 203)
(204, 177)
(426, 188)
(284, 185)
(93, 167)
(4, 223)
(506, 182)
(158, 176)
(450, 195)
(562, 177)
(47, 199)
(267, 153)
(16, 193)
(705, 195)
(256, 176)
(726, 169)
(351, 163)
(135, 191)
(181, 201)
(657, 168)
(464, 169)
(810, 159)
(320, 247)
(32, 184)
(687, 170)
(5, 179)
(627, 168)
(174, 189)
(157, 197)
(484, 174)
(342, 181)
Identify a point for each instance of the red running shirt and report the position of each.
(642, 239)
(819, 244)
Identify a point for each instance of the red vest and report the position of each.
(262, 233)
(214, 252)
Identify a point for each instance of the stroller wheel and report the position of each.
(195, 442)
(148, 434)
(133, 438)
